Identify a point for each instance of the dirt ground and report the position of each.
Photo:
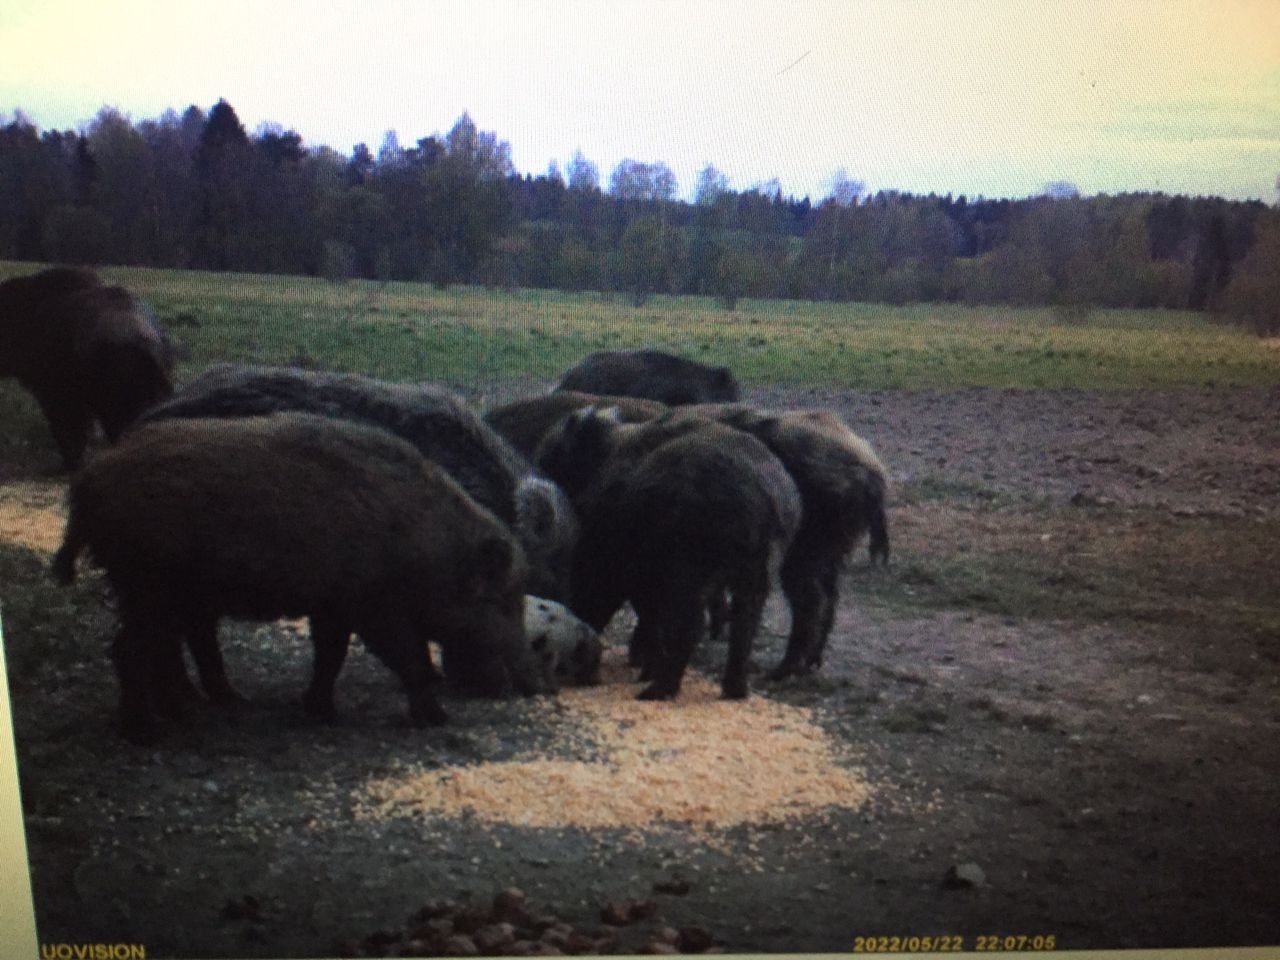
(1055, 716)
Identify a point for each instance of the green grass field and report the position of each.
(404, 331)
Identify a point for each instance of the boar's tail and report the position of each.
(878, 548)
(878, 523)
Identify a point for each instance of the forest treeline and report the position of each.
(196, 190)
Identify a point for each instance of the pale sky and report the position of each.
(980, 97)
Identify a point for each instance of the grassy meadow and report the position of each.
(470, 338)
(466, 335)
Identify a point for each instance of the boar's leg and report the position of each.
(678, 620)
(202, 641)
(717, 613)
(398, 645)
(331, 639)
(170, 685)
(829, 581)
(644, 646)
(140, 641)
(806, 597)
(123, 382)
(749, 595)
(170, 689)
(69, 422)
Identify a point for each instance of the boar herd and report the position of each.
(396, 513)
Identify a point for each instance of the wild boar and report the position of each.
(670, 520)
(653, 375)
(86, 352)
(842, 486)
(295, 515)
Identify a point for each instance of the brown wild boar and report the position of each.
(652, 374)
(286, 516)
(85, 351)
(670, 520)
(842, 486)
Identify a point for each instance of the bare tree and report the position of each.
(633, 180)
(583, 175)
(711, 184)
(1060, 190)
(845, 190)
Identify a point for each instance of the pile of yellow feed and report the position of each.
(697, 763)
(32, 515)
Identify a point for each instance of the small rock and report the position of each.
(540, 949)
(677, 888)
(579, 943)
(489, 938)
(470, 919)
(639, 910)
(460, 945)
(510, 901)
(556, 938)
(615, 914)
(657, 947)
(606, 943)
(434, 908)
(695, 940)
(436, 929)
(666, 935)
(964, 876)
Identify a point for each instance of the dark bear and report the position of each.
(653, 375)
(286, 516)
(440, 425)
(672, 518)
(85, 351)
(523, 423)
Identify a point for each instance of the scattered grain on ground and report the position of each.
(32, 515)
(697, 763)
